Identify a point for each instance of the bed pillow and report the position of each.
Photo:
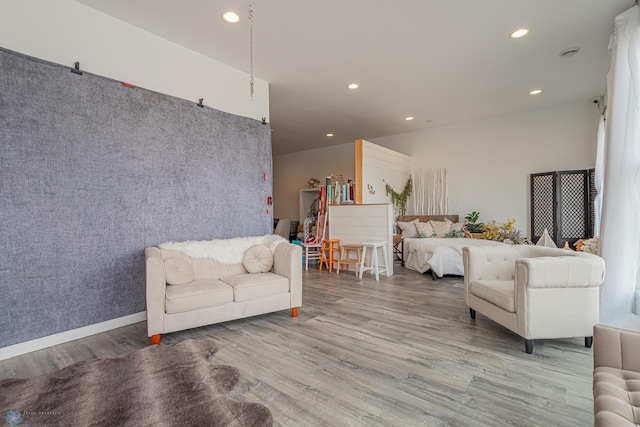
(408, 229)
(456, 226)
(441, 228)
(425, 229)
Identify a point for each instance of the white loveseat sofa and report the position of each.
(537, 292)
(191, 284)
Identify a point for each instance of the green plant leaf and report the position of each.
(399, 200)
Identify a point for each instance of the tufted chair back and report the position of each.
(494, 263)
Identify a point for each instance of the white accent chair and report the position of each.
(535, 291)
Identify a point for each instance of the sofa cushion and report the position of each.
(616, 397)
(178, 271)
(198, 294)
(247, 287)
(497, 292)
(257, 259)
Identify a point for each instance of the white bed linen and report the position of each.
(442, 256)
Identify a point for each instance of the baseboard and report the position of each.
(74, 334)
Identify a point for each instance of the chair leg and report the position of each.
(155, 339)
(472, 312)
(306, 258)
(375, 263)
(528, 346)
(361, 270)
(386, 260)
(588, 342)
(294, 312)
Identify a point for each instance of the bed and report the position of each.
(441, 256)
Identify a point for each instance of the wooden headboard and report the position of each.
(425, 218)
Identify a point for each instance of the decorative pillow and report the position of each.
(408, 229)
(441, 227)
(178, 271)
(257, 259)
(425, 229)
(456, 226)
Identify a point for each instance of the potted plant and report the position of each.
(474, 228)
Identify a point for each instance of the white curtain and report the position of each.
(620, 216)
(599, 178)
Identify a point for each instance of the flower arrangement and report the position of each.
(590, 245)
(505, 232)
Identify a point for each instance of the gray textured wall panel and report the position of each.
(91, 173)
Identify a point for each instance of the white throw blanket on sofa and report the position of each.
(225, 251)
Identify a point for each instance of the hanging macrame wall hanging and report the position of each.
(431, 191)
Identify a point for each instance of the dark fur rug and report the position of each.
(156, 386)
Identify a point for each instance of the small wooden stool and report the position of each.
(345, 259)
(329, 246)
(375, 266)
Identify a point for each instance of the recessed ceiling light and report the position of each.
(567, 53)
(352, 86)
(231, 17)
(520, 32)
(408, 118)
(329, 135)
(535, 92)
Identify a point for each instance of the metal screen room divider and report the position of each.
(562, 202)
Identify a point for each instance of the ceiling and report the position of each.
(442, 62)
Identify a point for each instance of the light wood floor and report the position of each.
(398, 352)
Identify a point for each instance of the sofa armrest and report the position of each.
(616, 348)
(560, 272)
(287, 262)
(155, 283)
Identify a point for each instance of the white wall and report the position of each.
(64, 31)
(489, 161)
(291, 173)
(381, 166)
